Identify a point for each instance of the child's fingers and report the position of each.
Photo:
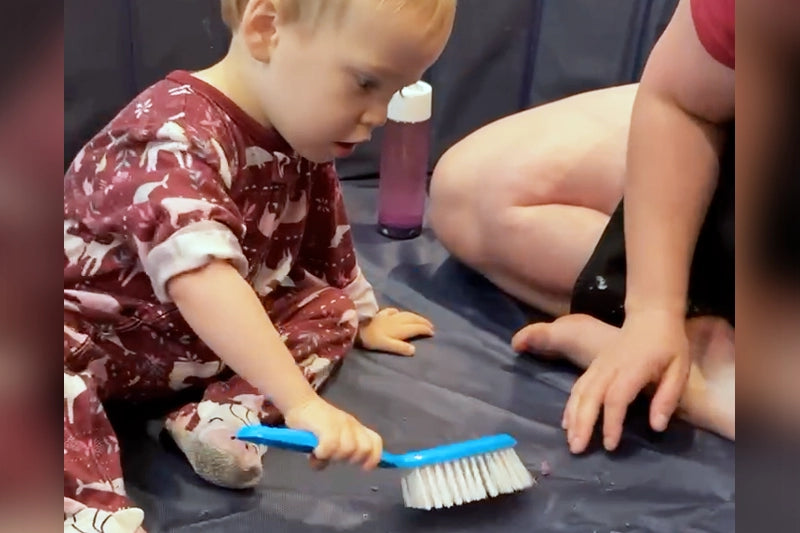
(348, 444)
(375, 451)
(328, 442)
(619, 395)
(668, 394)
(413, 318)
(571, 405)
(588, 399)
(318, 464)
(395, 346)
(363, 447)
(409, 331)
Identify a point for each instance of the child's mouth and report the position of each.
(344, 149)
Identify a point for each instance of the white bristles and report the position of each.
(465, 480)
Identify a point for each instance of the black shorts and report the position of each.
(600, 288)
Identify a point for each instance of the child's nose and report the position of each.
(375, 116)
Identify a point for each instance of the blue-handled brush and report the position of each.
(444, 476)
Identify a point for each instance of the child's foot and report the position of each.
(205, 432)
(709, 398)
(79, 517)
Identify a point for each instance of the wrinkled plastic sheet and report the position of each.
(465, 382)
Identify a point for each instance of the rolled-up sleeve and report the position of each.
(190, 248)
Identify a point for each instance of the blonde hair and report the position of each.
(232, 11)
(291, 10)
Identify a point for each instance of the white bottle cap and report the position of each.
(412, 103)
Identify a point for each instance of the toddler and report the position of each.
(206, 244)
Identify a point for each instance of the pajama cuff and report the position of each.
(361, 293)
(191, 248)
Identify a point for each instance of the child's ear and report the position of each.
(258, 28)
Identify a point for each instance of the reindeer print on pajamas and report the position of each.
(179, 178)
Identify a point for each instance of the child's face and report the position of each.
(326, 88)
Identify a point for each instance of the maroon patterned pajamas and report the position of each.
(179, 178)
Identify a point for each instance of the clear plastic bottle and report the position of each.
(403, 181)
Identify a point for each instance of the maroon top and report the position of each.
(182, 176)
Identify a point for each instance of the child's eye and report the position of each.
(366, 83)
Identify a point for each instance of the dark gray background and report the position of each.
(504, 55)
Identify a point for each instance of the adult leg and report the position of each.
(319, 328)
(525, 199)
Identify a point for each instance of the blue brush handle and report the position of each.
(305, 441)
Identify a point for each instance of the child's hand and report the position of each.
(390, 328)
(341, 437)
(652, 349)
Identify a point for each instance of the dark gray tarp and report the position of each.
(465, 382)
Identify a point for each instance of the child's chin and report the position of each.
(318, 156)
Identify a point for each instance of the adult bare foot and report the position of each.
(709, 398)
(578, 338)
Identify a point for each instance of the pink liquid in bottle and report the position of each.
(402, 188)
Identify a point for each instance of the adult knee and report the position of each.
(453, 209)
(444, 198)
